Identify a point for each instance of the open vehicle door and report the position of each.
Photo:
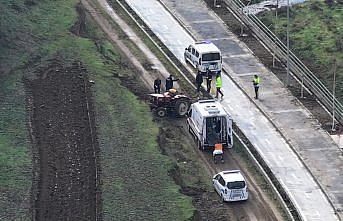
(229, 132)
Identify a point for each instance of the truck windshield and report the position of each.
(236, 185)
(211, 57)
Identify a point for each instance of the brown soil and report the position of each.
(266, 58)
(65, 140)
(176, 142)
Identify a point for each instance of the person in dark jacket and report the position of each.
(208, 80)
(198, 81)
(170, 82)
(157, 85)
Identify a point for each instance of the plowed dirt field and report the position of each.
(64, 136)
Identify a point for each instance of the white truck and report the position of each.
(210, 124)
(204, 55)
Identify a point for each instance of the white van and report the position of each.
(230, 185)
(210, 124)
(204, 55)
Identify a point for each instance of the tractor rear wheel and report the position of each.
(181, 107)
(161, 112)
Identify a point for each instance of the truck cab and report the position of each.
(210, 124)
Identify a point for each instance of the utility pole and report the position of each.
(333, 96)
(275, 30)
(287, 42)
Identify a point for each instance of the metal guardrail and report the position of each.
(296, 67)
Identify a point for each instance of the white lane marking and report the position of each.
(202, 21)
(218, 39)
(236, 56)
(249, 74)
(287, 111)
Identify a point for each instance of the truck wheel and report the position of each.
(199, 144)
(181, 107)
(161, 112)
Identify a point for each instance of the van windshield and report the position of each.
(211, 57)
(236, 185)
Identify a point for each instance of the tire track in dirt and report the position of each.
(256, 208)
(66, 146)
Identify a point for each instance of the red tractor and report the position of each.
(169, 102)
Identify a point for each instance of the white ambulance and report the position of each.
(204, 55)
(210, 124)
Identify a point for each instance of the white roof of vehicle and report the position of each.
(205, 46)
(209, 108)
(232, 175)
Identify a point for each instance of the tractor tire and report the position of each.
(181, 107)
(161, 112)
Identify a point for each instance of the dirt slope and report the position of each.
(175, 142)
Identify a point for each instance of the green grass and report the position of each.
(15, 155)
(33, 35)
(135, 181)
(316, 38)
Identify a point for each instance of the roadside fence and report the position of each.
(296, 67)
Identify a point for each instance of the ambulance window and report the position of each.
(197, 54)
(193, 51)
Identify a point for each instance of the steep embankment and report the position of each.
(45, 43)
(315, 36)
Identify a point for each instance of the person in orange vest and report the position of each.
(218, 152)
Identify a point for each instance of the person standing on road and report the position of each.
(170, 82)
(208, 80)
(219, 85)
(157, 85)
(256, 82)
(198, 81)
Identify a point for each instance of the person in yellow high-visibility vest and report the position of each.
(256, 81)
(219, 85)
